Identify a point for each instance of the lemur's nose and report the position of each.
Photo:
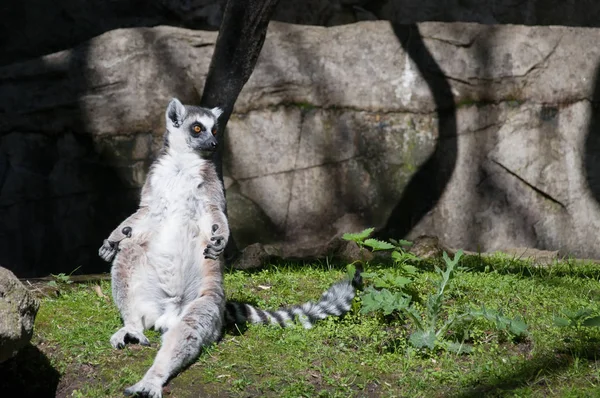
(213, 144)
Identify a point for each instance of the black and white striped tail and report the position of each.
(337, 301)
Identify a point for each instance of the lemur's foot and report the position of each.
(214, 250)
(145, 389)
(109, 248)
(126, 335)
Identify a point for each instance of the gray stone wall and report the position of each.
(484, 135)
(31, 28)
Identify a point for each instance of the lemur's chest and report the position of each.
(176, 187)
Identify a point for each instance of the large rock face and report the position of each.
(25, 27)
(484, 135)
(18, 309)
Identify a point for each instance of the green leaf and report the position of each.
(583, 313)
(420, 339)
(402, 257)
(561, 322)
(403, 242)
(594, 321)
(577, 317)
(370, 276)
(350, 271)
(359, 236)
(401, 281)
(378, 244)
(517, 327)
(454, 261)
(371, 302)
(410, 269)
(52, 283)
(388, 280)
(397, 256)
(458, 348)
(415, 316)
(383, 300)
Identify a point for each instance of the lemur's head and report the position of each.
(191, 127)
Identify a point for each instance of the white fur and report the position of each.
(217, 112)
(174, 252)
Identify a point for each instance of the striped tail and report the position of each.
(337, 301)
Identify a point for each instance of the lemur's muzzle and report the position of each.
(210, 145)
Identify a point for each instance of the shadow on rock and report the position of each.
(65, 186)
(592, 143)
(427, 186)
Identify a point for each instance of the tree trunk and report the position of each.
(241, 37)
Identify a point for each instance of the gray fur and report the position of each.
(167, 267)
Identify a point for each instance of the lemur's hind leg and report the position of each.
(131, 258)
(200, 325)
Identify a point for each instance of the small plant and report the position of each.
(429, 335)
(62, 278)
(399, 255)
(515, 326)
(362, 240)
(389, 293)
(426, 334)
(577, 319)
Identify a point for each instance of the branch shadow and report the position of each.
(592, 143)
(426, 187)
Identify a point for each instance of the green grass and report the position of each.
(359, 355)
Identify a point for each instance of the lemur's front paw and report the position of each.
(109, 248)
(213, 250)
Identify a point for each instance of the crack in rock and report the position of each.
(533, 187)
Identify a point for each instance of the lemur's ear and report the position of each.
(175, 112)
(216, 112)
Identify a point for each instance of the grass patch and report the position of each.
(359, 355)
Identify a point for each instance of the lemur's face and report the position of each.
(192, 127)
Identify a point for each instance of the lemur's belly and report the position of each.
(176, 210)
(176, 252)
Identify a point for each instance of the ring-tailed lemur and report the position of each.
(167, 263)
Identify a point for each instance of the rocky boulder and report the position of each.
(18, 309)
(486, 136)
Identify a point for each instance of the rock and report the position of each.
(18, 309)
(428, 247)
(251, 257)
(540, 257)
(457, 130)
(251, 218)
(349, 252)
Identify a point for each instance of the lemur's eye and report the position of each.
(197, 128)
(214, 130)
